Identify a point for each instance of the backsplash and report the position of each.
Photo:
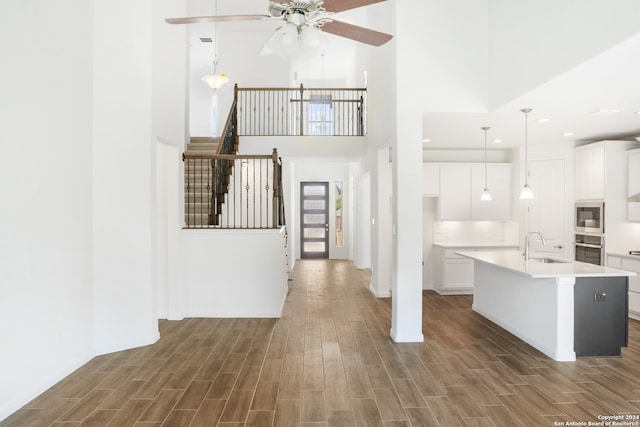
(476, 231)
(622, 237)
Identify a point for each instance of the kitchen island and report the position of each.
(563, 308)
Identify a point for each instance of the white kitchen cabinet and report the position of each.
(430, 180)
(461, 185)
(633, 163)
(457, 274)
(629, 264)
(455, 192)
(454, 274)
(589, 172)
(601, 173)
(634, 286)
(499, 184)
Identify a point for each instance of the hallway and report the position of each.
(329, 361)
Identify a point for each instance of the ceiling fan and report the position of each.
(316, 14)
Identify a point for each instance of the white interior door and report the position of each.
(546, 212)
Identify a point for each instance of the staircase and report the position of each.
(197, 181)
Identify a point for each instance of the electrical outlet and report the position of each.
(599, 297)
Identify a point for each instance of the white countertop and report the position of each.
(514, 260)
(467, 244)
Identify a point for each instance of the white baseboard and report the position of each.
(382, 294)
(406, 337)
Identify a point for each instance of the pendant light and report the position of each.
(526, 193)
(215, 81)
(486, 194)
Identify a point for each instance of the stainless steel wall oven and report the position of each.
(590, 248)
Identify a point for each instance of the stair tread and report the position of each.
(200, 139)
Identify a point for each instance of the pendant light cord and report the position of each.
(485, 129)
(526, 112)
(485, 158)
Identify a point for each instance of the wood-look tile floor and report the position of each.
(329, 362)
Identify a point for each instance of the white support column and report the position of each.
(406, 321)
(381, 273)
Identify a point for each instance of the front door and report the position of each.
(314, 220)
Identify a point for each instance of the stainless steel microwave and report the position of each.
(590, 217)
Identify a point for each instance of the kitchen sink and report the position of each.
(549, 260)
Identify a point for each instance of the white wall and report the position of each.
(378, 66)
(533, 42)
(123, 157)
(451, 71)
(46, 295)
(362, 253)
(252, 281)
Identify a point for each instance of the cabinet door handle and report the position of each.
(558, 246)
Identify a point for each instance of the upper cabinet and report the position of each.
(430, 180)
(633, 188)
(455, 192)
(460, 186)
(601, 173)
(589, 172)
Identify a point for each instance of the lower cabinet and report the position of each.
(454, 273)
(629, 264)
(457, 274)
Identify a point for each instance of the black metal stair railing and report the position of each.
(245, 191)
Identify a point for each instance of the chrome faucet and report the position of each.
(526, 243)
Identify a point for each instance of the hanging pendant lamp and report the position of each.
(526, 193)
(486, 194)
(215, 81)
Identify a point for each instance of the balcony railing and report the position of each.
(301, 111)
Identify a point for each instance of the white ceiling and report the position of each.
(580, 101)
(607, 82)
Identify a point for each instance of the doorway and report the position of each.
(314, 220)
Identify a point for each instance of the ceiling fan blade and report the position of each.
(342, 5)
(355, 32)
(222, 18)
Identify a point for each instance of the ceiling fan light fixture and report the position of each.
(310, 37)
(304, 15)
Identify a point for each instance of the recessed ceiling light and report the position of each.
(637, 112)
(496, 141)
(567, 134)
(544, 120)
(426, 140)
